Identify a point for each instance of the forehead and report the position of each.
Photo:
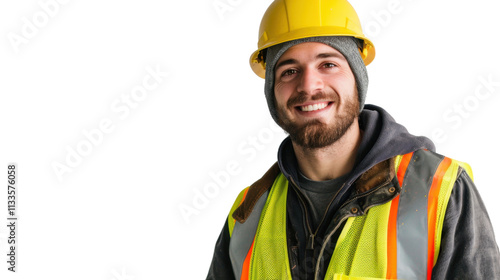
(309, 50)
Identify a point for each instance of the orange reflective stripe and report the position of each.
(245, 272)
(392, 231)
(432, 212)
(405, 161)
(392, 241)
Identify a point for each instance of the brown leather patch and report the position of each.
(383, 172)
(255, 191)
(379, 174)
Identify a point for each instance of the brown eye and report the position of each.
(288, 72)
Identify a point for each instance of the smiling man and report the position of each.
(308, 80)
(317, 104)
(353, 194)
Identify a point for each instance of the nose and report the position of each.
(310, 82)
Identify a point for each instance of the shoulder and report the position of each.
(441, 166)
(248, 197)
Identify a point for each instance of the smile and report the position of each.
(313, 107)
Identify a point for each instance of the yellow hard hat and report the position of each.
(287, 20)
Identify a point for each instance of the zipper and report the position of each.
(310, 242)
(323, 247)
(328, 207)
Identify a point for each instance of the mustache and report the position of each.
(303, 97)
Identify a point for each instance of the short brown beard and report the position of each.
(315, 134)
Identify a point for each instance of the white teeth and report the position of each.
(314, 107)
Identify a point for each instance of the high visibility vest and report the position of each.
(396, 240)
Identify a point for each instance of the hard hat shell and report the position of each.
(287, 20)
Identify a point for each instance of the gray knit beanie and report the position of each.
(347, 46)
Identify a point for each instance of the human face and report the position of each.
(316, 95)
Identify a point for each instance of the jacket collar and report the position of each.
(380, 174)
(383, 139)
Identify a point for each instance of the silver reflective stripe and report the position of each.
(243, 235)
(412, 216)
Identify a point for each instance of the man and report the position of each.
(353, 194)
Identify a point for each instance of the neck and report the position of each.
(332, 161)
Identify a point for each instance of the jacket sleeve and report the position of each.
(468, 247)
(221, 268)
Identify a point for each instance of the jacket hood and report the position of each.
(383, 138)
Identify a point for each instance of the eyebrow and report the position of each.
(319, 56)
(285, 62)
(332, 54)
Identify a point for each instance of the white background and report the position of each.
(116, 212)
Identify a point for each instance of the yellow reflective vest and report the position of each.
(399, 239)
